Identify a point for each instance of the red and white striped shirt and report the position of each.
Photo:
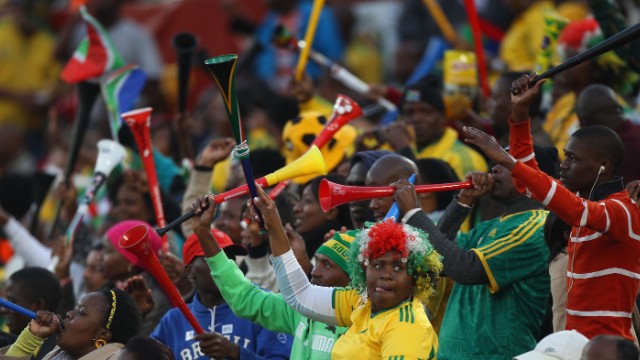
(603, 275)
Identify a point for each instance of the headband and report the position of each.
(113, 309)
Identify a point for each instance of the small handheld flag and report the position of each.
(94, 56)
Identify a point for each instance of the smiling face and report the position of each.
(579, 169)
(388, 282)
(308, 213)
(327, 273)
(84, 324)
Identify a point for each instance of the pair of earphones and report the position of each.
(601, 171)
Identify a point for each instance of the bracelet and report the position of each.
(463, 205)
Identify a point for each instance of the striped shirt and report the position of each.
(603, 275)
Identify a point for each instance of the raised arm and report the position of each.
(462, 265)
(312, 301)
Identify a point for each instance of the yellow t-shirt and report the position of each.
(461, 157)
(27, 65)
(402, 332)
(521, 43)
(562, 121)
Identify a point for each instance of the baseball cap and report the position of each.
(192, 248)
(562, 345)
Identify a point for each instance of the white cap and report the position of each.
(563, 345)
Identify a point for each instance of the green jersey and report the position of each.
(312, 339)
(502, 319)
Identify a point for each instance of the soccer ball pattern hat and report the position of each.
(299, 133)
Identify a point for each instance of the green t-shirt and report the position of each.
(502, 319)
(312, 339)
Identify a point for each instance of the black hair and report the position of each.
(39, 283)
(169, 205)
(436, 171)
(126, 319)
(282, 109)
(344, 215)
(145, 348)
(603, 142)
(265, 161)
(626, 349)
(554, 230)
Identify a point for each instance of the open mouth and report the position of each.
(382, 289)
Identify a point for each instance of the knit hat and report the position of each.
(424, 91)
(337, 248)
(367, 158)
(562, 345)
(116, 231)
(192, 247)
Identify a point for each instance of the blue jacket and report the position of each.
(255, 341)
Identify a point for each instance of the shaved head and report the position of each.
(598, 105)
(390, 168)
(384, 171)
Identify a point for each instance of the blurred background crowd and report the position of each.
(426, 79)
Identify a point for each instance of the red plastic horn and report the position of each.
(344, 111)
(139, 122)
(331, 194)
(136, 241)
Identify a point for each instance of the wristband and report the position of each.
(462, 204)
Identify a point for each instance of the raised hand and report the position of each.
(489, 145)
(405, 195)
(397, 135)
(522, 96)
(482, 184)
(176, 271)
(45, 324)
(65, 256)
(302, 90)
(204, 209)
(267, 207)
(137, 287)
(216, 151)
(216, 346)
(277, 236)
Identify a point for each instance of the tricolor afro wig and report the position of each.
(424, 264)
